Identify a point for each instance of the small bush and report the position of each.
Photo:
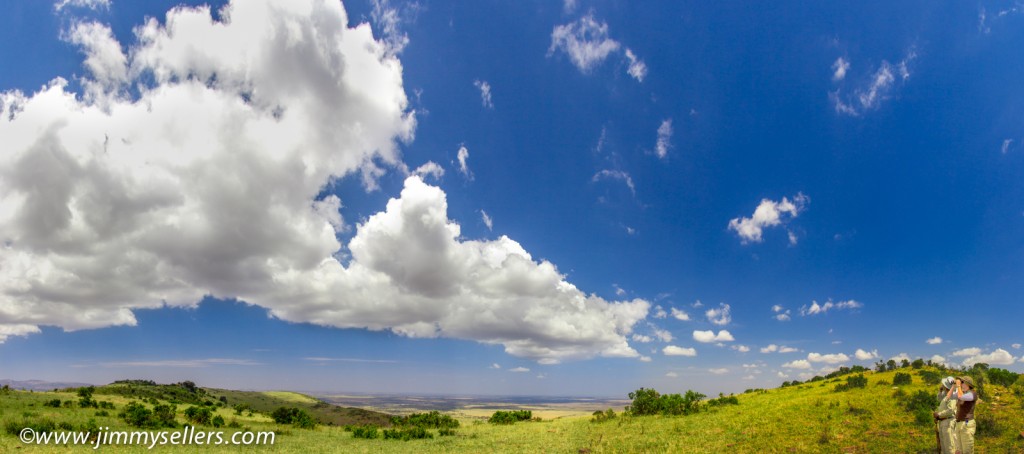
(920, 404)
(446, 432)
(901, 379)
(987, 426)
(217, 421)
(929, 376)
(102, 413)
(431, 420)
(296, 416)
(368, 432)
(199, 415)
(510, 417)
(137, 415)
(1002, 376)
(602, 416)
(407, 433)
(856, 381)
(55, 403)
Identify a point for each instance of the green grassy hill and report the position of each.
(808, 417)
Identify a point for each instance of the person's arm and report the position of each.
(967, 397)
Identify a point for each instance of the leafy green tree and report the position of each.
(645, 402)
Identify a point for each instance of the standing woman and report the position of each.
(944, 416)
(964, 426)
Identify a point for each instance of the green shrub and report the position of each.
(856, 381)
(217, 421)
(431, 420)
(901, 379)
(920, 404)
(137, 415)
(102, 413)
(510, 417)
(55, 403)
(929, 376)
(407, 433)
(199, 415)
(296, 416)
(163, 415)
(987, 426)
(1002, 376)
(602, 416)
(368, 432)
(446, 432)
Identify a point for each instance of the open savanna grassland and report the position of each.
(809, 417)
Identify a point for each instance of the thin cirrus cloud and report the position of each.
(485, 93)
(211, 186)
(769, 213)
(587, 44)
(182, 363)
(878, 87)
(817, 309)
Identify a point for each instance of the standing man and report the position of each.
(944, 416)
(964, 426)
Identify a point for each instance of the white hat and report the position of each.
(948, 382)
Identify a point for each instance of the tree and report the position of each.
(890, 364)
(85, 396)
(645, 402)
(905, 363)
(917, 364)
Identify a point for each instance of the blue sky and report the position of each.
(552, 198)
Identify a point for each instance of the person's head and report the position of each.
(947, 383)
(966, 383)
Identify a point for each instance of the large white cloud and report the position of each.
(768, 213)
(998, 357)
(830, 358)
(206, 182)
(865, 355)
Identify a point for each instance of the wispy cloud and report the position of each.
(519, 369)
(587, 44)
(324, 359)
(934, 341)
(874, 90)
(485, 93)
(94, 5)
(463, 157)
(719, 316)
(487, 220)
(816, 309)
(615, 175)
(664, 142)
(183, 363)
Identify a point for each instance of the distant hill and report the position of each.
(259, 401)
(40, 385)
(267, 401)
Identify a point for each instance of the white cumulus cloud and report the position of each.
(971, 351)
(831, 358)
(710, 336)
(673, 350)
(768, 213)
(797, 364)
(864, 355)
(680, 315)
(998, 357)
(207, 182)
(934, 341)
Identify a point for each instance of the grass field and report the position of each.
(810, 417)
